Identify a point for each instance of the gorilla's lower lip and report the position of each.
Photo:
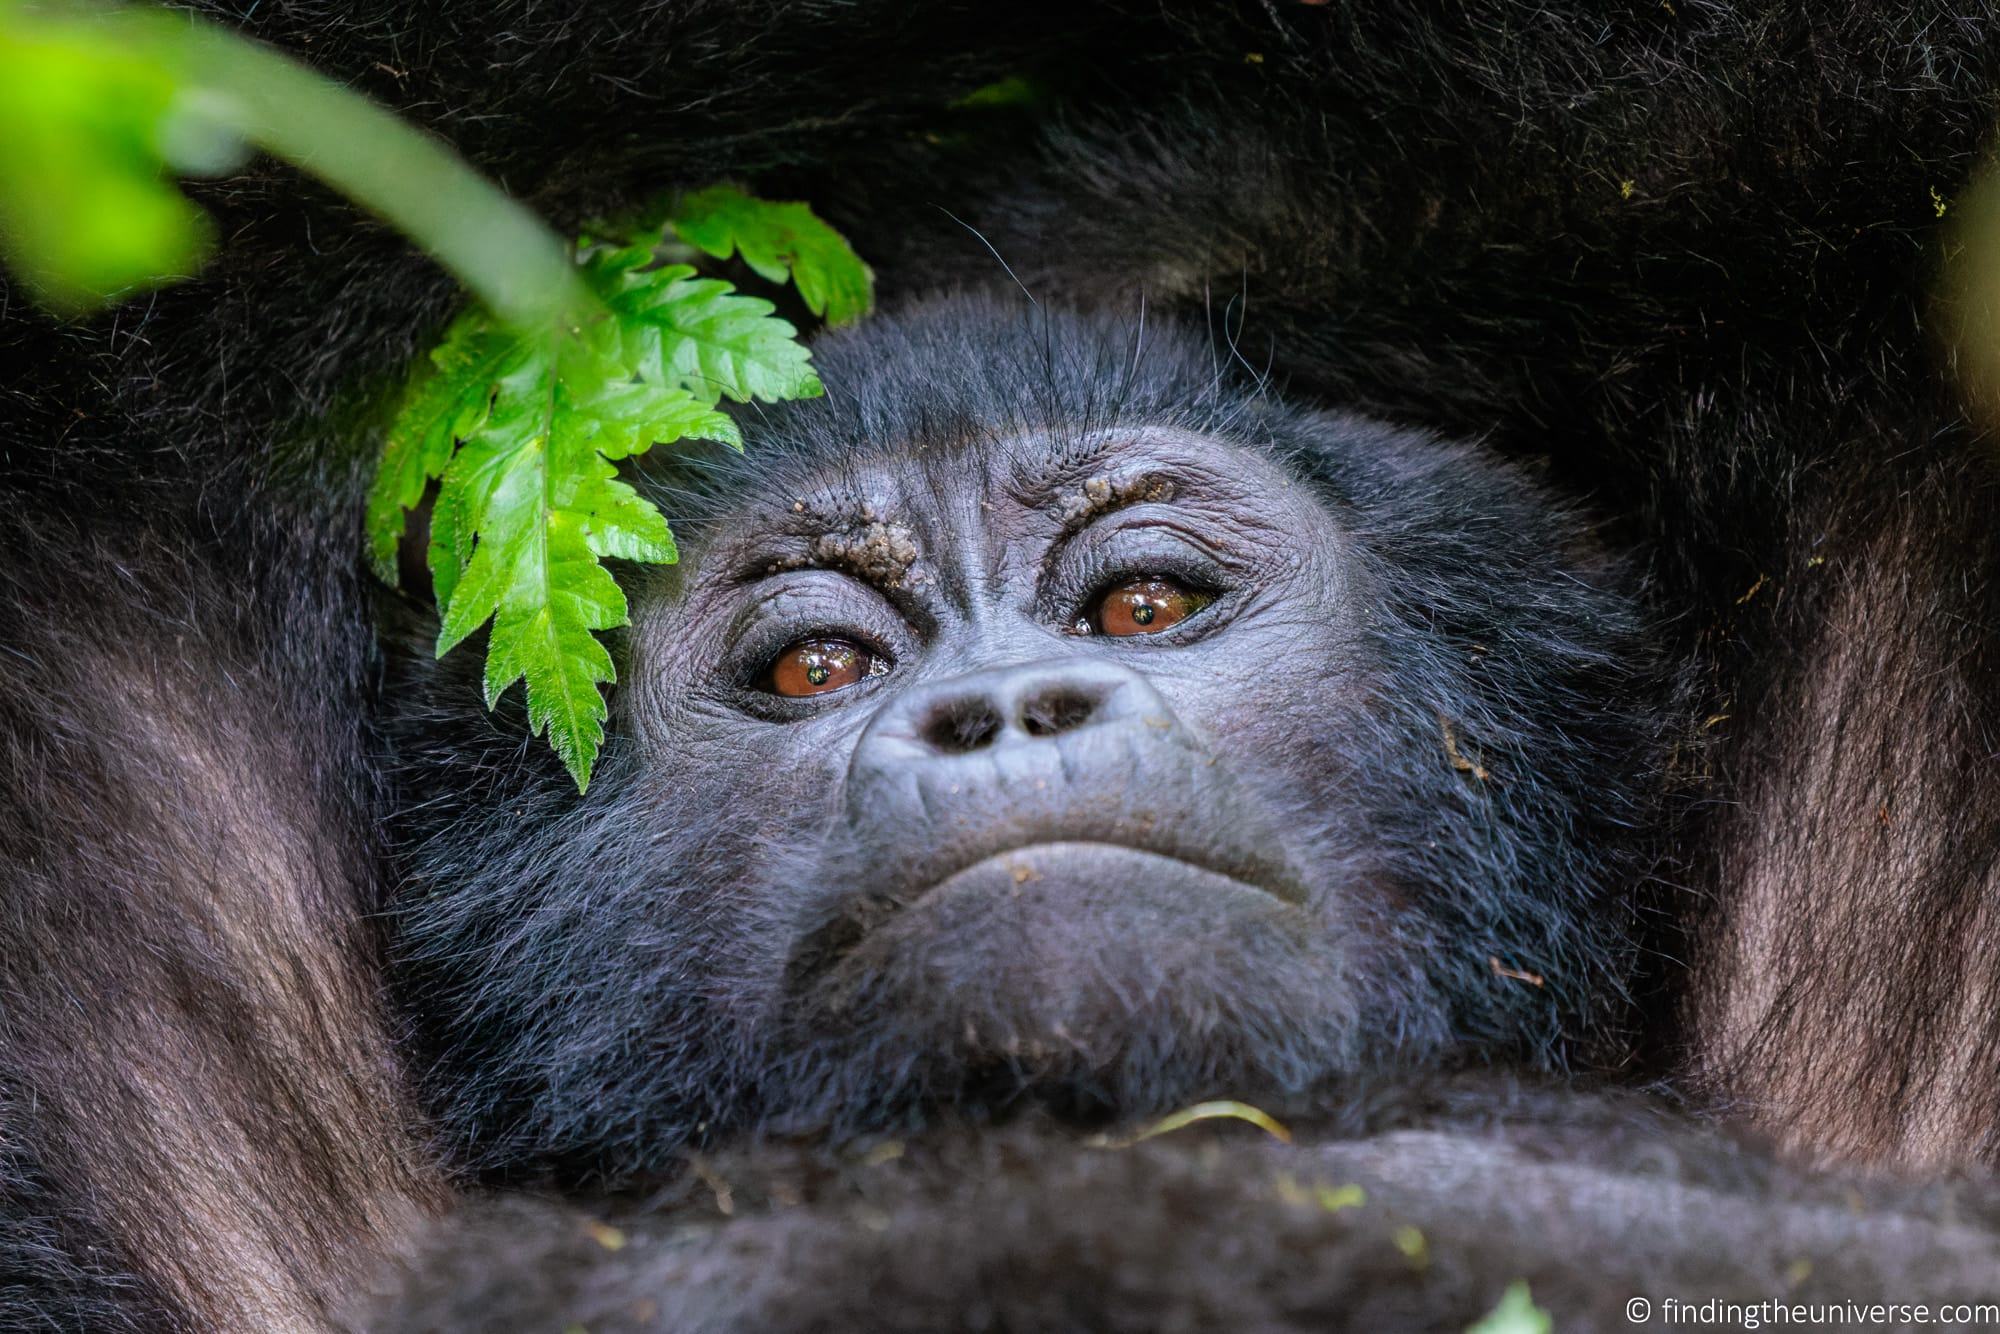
(1031, 862)
(985, 909)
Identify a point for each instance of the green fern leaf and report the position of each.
(535, 573)
(701, 334)
(442, 406)
(777, 241)
(522, 433)
(626, 417)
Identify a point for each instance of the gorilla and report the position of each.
(1044, 709)
(1436, 598)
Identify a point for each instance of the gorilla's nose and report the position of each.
(1073, 774)
(1069, 750)
(972, 715)
(1074, 754)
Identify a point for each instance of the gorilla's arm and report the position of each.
(200, 1109)
(1407, 1208)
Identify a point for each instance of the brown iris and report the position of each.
(815, 666)
(1146, 606)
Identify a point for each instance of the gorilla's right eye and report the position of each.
(819, 666)
(1145, 606)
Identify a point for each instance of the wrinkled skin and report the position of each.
(1124, 867)
(1326, 812)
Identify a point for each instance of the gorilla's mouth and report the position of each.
(1102, 863)
(1214, 835)
(1085, 879)
(1059, 965)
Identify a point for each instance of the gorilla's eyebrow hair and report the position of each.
(848, 533)
(1087, 483)
(1107, 493)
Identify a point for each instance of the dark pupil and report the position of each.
(817, 674)
(1143, 614)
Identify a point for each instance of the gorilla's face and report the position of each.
(1010, 727)
(1037, 756)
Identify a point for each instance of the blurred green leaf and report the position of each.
(101, 107)
(96, 119)
(1516, 1313)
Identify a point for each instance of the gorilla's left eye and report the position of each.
(820, 666)
(1142, 607)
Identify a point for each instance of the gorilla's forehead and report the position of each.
(900, 513)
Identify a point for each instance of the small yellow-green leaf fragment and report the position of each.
(605, 1235)
(1413, 1244)
(1332, 1199)
(1516, 1313)
(1016, 90)
(1335, 1198)
(1220, 1110)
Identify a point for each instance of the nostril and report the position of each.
(1061, 709)
(962, 725)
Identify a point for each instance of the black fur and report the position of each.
(1491, 629)
(1406, 1208)
(1690, 256)
(1681, 254)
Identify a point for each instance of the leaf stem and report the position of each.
(498, 249)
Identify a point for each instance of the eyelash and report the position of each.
(755, 656)
(1101, 574)
(1199, 618)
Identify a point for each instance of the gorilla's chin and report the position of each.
(1064, 928)
(1085, 972)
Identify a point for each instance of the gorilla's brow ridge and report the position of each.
(1107, 493)
(1085, 483)
(846, 532)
